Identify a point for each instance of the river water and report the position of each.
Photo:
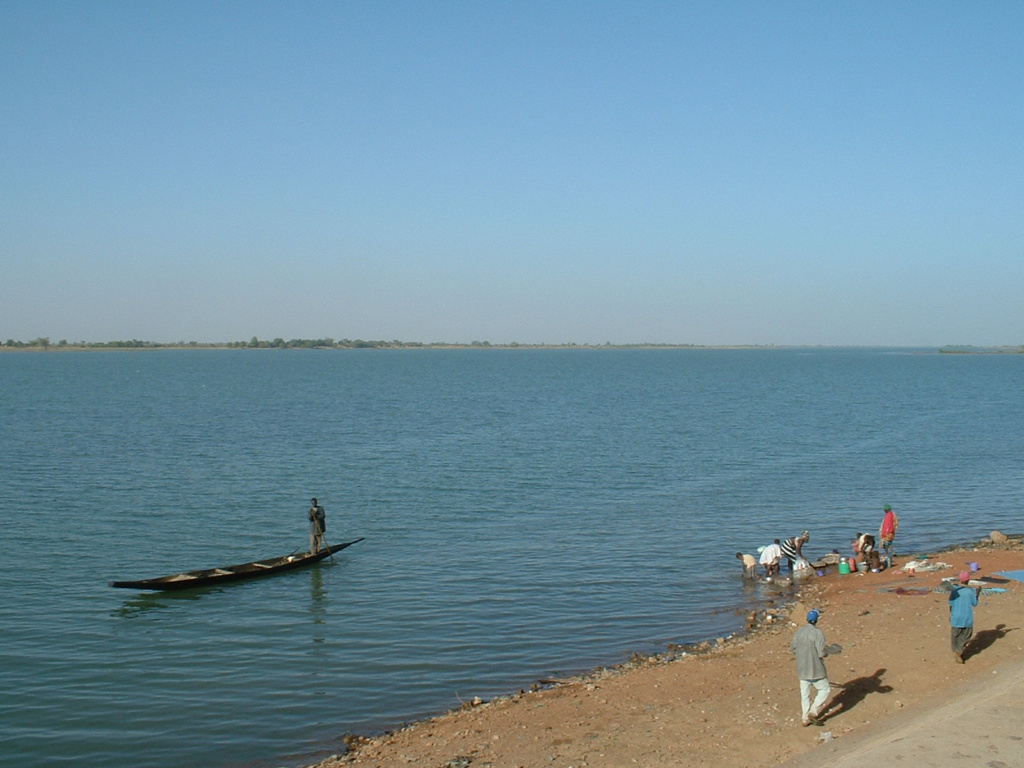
(526, 513)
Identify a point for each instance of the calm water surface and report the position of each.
(526, 513)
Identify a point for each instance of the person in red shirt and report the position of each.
(887, 533)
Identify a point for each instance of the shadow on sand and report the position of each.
(985, 639)
(854, 692)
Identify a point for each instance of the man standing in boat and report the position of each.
(317, 526)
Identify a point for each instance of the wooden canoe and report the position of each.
(209, 576)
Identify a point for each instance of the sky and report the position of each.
(715, 173)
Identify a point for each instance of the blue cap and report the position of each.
(812, 617)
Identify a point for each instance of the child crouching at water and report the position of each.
(749, 566)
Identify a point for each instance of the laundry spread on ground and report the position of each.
(923, 566)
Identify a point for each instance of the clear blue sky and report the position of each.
(537, 172)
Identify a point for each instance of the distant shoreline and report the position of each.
(102, 347)
(43, 345)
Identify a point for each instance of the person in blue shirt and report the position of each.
(962, 601)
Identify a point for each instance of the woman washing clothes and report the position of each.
(865, 552)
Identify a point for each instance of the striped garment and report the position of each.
(789, 548)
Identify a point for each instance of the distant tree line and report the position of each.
(279, 343)
(44, 342)
(254, 343)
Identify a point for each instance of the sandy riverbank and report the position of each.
(737, 704)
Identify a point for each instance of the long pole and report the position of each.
(320, 535)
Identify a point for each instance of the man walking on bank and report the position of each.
(962, 602)
(810, 649)
(317, 526)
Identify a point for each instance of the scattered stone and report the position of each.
(353, 742)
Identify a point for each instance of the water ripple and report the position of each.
(526, 514)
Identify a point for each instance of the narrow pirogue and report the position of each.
(208, 576)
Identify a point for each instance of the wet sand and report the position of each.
(898, 693)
